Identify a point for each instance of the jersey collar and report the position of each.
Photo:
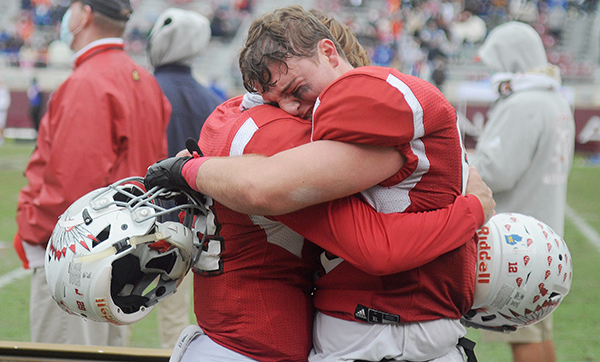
(95, 47)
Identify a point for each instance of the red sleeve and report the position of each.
(347, 108)
(77, 135)
(382, 244)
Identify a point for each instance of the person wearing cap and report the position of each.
(525, 151)
(105, 122)
(177, 39)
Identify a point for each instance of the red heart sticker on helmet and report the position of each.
(549, 260)
(529, 242)
(549, 246)
(519, 281)
(547, 274)
(559, 268)
(526, 259)
(536, 298)
(543, 289)
(507, 227)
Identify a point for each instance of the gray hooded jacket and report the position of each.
(526, 149)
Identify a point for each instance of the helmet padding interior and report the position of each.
(126, 271)
(129, 282)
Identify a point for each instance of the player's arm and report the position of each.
(383, 244)
(288, 181)
(296, 178)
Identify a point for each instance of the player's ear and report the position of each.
(327, 50)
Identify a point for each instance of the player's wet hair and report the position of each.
(277, 36)
(355, 53)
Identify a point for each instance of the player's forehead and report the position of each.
(284, 77)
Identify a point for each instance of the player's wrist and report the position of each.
(189, 171)
(477, 208)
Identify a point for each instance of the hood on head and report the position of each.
(178, 37)
(513, 47)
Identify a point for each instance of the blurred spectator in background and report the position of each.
(36, 97)
(177, 39)
(4, 105)
(525, 152)
(105, 122)
(468, 29)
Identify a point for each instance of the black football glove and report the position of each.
(167, 173)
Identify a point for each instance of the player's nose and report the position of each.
(290, 106)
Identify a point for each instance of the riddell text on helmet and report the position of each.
(102, 304)
(484, 255)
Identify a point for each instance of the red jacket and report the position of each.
(107, 121)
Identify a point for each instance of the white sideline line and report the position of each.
(12, 276)
(589, 232)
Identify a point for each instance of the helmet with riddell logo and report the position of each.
(524, 271)
(113, 254)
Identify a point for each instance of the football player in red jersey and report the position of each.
(410, 146)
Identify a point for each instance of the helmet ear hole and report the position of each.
(102, 236)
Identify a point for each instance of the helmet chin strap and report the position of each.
(121, 245)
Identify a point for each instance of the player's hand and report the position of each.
(167, 173)
(476, 186)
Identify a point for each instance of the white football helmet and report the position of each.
(113, 254)
(524, 271)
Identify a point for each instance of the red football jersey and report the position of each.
(253, 284)
(253, 293)
(381, 106)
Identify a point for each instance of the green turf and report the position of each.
(576, 321)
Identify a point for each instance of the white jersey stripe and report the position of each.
(396, 198)
(277, 233)
(317, 104)
(413, 103)
(242, 137)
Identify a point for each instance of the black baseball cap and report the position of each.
(115, 9)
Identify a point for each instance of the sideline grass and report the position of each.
(14, 297)
(576, 321)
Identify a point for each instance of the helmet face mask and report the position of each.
(524, 271)
(114, 253)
